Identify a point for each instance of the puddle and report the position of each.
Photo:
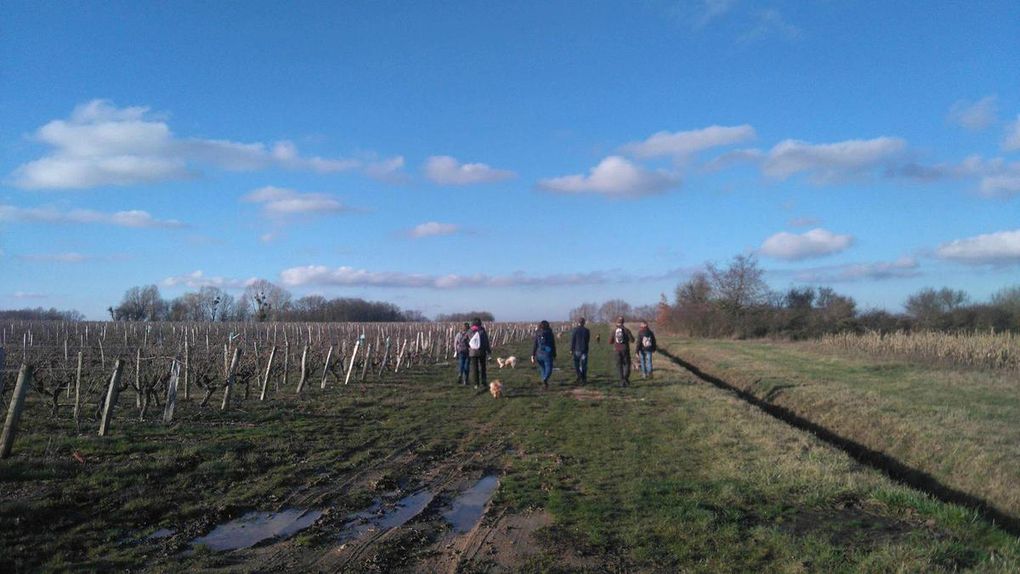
(380, 516)
(466, 510)
(254, 527)
(161, 533)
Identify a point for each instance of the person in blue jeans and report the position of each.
(462, 350)
(544, 351)
(579, 350)
(646, 346)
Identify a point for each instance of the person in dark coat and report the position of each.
(544, 351)
(479, 351)
(620, 338)
(646, 346)
(579, 340)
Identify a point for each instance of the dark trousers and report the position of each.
(623, 365)
(478, 375)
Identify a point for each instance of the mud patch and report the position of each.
(586, 395)
(845, 526)
(466, 510)
(255, 527)
(381, 516)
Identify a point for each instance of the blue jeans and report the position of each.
(545, 366)
(463, 361)
(645, 357)
(581, 365)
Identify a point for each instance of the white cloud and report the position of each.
(70, 257)
(974, 116)
(433, 229)
(389, 170)
(901, 268)
(198, 279)
(29, 295)
(614, 176)
(446, 170)
(683, 144)
(996, 177)
(101, 144)
(1012, 140)
(321, 275)
(132, 218)
(834, 162)
(999, 248)
(810, 244)
(283, 202)
(769, 23)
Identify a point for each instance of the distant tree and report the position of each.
(266, 300)
(40, 314)
(462, 317)
(694, 311)
(141, 304)
(415, 316)
(590, 311)
(614, 308)
(929, 307)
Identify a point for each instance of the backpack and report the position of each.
(543, 345)
(619, 336)
(476, 341)
(646, 342)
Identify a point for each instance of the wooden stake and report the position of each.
(230, 378)
(325, 368)
(265, 380)
(77, 390)
(14, 411)
(111, 397)
(354, 355)
(187, 369)
(171, 393)
(304, 365)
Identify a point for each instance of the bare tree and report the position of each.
(266, 300)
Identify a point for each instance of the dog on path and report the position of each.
(507, 362)
(496, 389)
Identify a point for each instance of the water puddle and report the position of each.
(161, 533)
(254, 527)
(467, 509)
(381, 516)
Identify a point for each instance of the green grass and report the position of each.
(958, 425)
(667, 475)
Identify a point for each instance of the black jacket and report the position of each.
(547, 339)
(640, 341)
(579, 340)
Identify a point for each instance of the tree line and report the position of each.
(261, 300)
(735, 301)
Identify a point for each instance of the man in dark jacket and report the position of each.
(645, 345)
(479, 351)
(620, 338)
(544, 351)
(579, 349)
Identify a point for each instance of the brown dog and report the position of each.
(496, 389)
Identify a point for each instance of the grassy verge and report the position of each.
(666, 475)
(957, 425)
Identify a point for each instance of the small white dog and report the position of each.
(496, 389)
(507, 362)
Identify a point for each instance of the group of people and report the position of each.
(473, 349)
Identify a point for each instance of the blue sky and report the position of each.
(523, 158)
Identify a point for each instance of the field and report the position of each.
(409, 471)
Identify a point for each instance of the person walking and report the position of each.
(461, 350)
(620, 340)
(645, 345)
(544, 351)
(479, 351)
(579, 340)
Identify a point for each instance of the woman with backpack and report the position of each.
(479, 351)
(645, 344)
(620, 338)
(544, 351)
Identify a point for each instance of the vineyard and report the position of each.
(989, 350)
(85, 370)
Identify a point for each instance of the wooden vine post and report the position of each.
(265, 380)
(354, 356)
(230, 378)
(304, 368)
(171, 393)
(14, 411)
(111, 397)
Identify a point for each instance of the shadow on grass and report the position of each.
(882, 462)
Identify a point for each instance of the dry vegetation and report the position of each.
(970, 350)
